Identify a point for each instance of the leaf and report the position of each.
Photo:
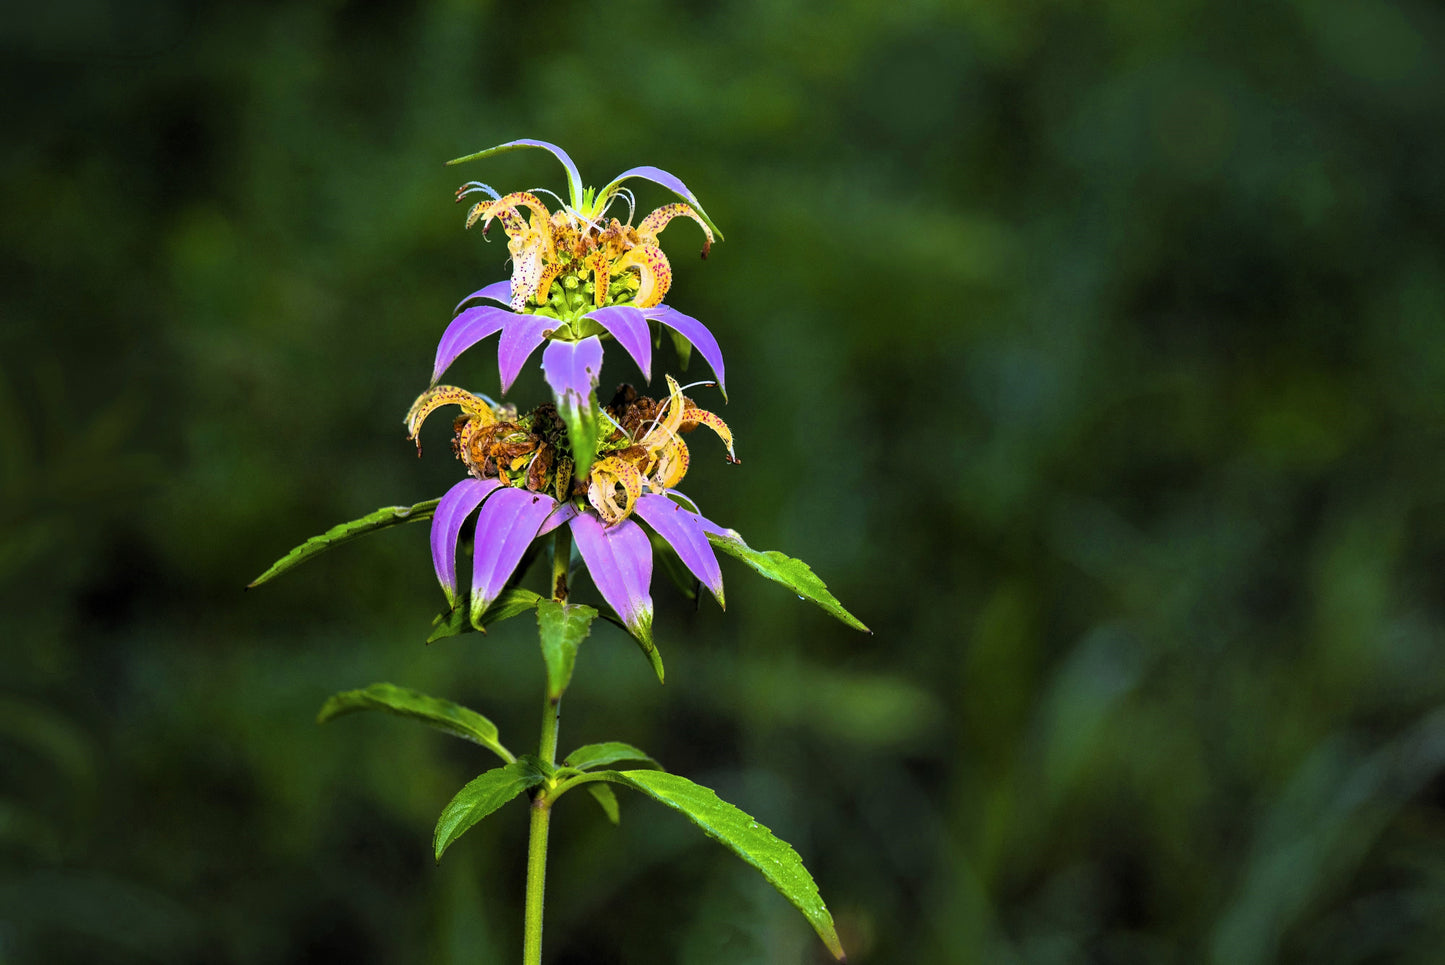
(382, 518)
(607, 800)
(442, 714)
(483, 795)
(584, 428)
(794, 574)
(510, 603)
(562, 627)
(589, 756)
(746, 838)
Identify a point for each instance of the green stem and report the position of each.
(536, 881)
(542, 803)
(561, 560)
(537, 844)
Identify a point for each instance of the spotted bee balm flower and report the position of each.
(578, 277)
(572, 473)
(522, 485)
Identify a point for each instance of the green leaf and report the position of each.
(794, 574)
(607, 800)
(589, 756)
(482, 796)
(382, 518)
(450, 624)
(562, 627)
(746, 838)
(583, 431)
(510, 603)
(642, 633)
(442, 714)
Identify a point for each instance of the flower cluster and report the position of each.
(578, 279)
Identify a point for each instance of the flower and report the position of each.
(522, 486)
(577, 277)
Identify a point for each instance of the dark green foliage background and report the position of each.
(1092, 353)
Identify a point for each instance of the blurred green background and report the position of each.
(1092, 352)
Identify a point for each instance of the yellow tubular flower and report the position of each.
(654, 273)
(652, 225)
(608, 475)
(473, 407)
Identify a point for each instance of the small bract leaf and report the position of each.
(336, 535)
(583, 431)
(607, 800)
(482, 796)
(794, 574)
(442, 714)
(589, 756)
(746, 838)
(508, 604)
(562, 628)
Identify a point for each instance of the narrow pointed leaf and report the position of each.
(442, 714)
(746, 838)
(482, 796)
(336, 535)
(511, 603)
(794, 574)
(562, 627)
(590, 756)
(607, 800)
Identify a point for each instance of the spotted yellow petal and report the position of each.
(607, 475)
(540, 228)
(654, 273)
(695, 417)
(438, 396)
(550, 272)
(653, 224)
(672, 462)
(601, 275)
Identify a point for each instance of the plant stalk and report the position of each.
(542, 803)
(536, 881)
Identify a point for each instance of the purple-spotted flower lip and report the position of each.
(521, 334)
(618, 556)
